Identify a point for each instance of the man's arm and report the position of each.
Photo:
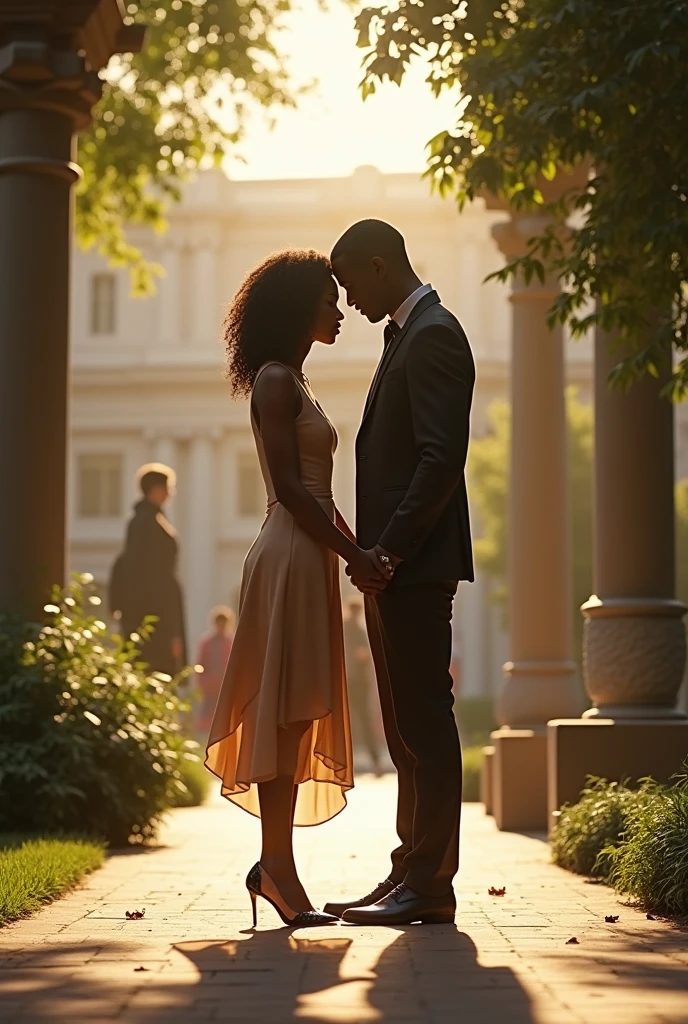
(440, 377)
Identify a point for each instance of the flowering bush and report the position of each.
(89, 741)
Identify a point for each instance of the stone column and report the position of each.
(47, 90)
(540, 677)
(634, 640)
(200, 540)
(634, 645)
(169, 300)
(206, 312)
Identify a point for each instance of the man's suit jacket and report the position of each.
(411, 449)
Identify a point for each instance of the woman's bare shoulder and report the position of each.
(275, 388)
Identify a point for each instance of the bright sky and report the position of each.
(333, 131)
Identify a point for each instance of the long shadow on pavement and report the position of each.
(422, 975)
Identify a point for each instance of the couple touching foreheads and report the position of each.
(280, 739)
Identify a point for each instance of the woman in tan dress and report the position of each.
(280, 739)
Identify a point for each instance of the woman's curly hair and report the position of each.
(272, 313)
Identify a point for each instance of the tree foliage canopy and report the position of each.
(549, 84)
(163, 113)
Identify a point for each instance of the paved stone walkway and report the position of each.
(194, 957)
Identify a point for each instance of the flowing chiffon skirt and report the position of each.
(286, 666)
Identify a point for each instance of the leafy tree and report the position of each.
(549, 84)
(163, 113)
(488, 470)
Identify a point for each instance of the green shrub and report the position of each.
(196, 779)
(91, 742)
(651, 864)
(598, 821)
(472, 764)
(36, 871)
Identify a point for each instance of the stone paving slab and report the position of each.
(506, 959)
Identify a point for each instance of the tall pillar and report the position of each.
(634, 644)
(169, 301)
(540, 676)
(207, 314)
(634, 641)
(200, 540)
(48, 84)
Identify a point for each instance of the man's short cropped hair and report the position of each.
(369, 238)
(155, 474)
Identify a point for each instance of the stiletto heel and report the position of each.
(258, 880)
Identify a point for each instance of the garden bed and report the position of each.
(635, 839)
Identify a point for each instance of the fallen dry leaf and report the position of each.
(572, 942)
(496, 892)
(135, 915)
(611, 918)
(140, 968)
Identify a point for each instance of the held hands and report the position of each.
(368, 573)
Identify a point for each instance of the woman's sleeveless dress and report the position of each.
(287, 660)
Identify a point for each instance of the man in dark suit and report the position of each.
(412, 508)
(144, 578)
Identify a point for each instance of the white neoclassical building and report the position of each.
(148, 384)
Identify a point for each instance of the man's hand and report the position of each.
(394, 560)
(370, 574)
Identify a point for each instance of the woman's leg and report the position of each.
(277, 804)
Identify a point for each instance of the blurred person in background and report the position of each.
(359, 671)
(214, 649)
(144, 577)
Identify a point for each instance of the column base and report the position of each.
(486, 776)
(519, 779)
(634, 654)
(611, 749)
(636, 712)
(536, 691)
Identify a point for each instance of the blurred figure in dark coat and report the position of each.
(144, 578)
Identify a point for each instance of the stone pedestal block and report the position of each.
(486, 770)
(613, 749)
(519, 779)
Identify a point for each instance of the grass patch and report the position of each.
(34, 872)
(472, 764)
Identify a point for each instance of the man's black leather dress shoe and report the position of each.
(405, 906)
(381, 890)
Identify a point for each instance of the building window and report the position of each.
(251, 491)
(99, 486)
(103, 303)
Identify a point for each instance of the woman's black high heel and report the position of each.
(259, 883)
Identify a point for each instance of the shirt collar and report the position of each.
(409, 304)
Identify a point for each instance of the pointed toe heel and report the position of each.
(258, 880)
